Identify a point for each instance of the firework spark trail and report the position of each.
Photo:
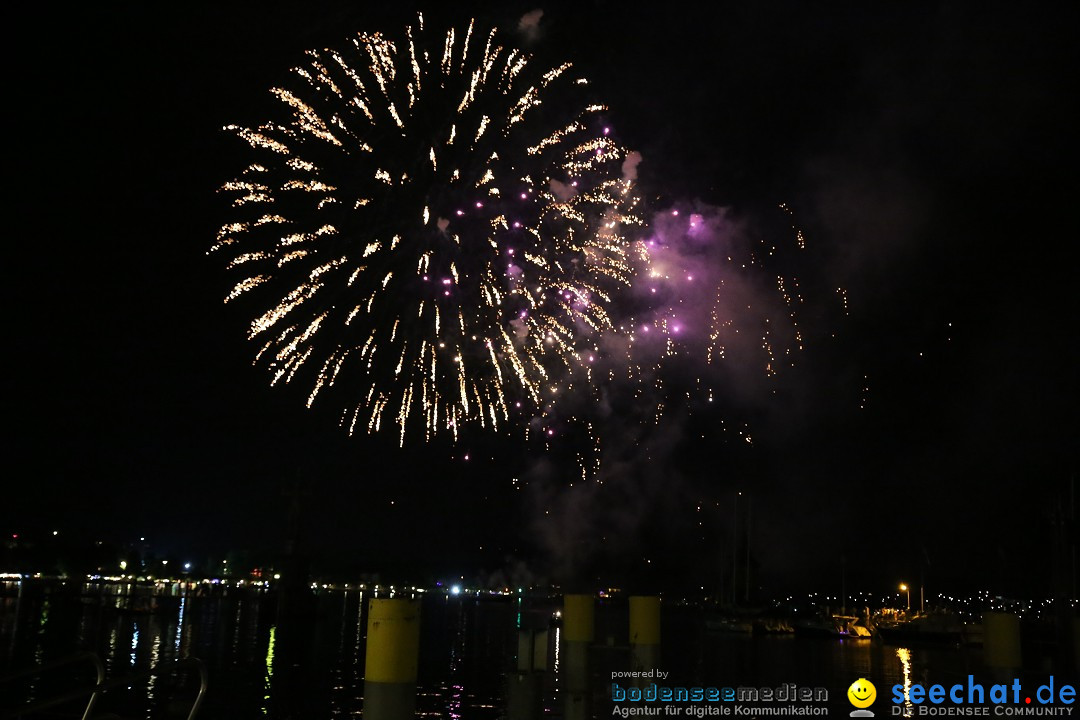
(710, 294)
(417, 230)
(711, 315)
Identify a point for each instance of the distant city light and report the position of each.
(455, 590)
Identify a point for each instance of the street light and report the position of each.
(905, 589)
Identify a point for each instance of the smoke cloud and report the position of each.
(705, 337)
(529, 25)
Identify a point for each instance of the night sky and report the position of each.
(927, 154)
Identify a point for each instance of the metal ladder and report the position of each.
(101, 685)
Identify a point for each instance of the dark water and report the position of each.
(313, 667)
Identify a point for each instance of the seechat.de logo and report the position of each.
(862, 694)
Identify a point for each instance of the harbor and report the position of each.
(489, 361)
(475, 648)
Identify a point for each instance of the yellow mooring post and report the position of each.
(644, 633)
(1001, 641)
(525, 687)
(579, 619)
(393, 651)
(1076, 641)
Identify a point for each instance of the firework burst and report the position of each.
(431, 227)
(711, 327)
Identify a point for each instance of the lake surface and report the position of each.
(312, 666)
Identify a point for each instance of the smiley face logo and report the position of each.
(862, 693)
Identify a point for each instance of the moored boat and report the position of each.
(930, 629)
(833, 626)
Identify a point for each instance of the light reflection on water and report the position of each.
(269, 671)
(905, 660)
(179, 626)
(263, 666)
